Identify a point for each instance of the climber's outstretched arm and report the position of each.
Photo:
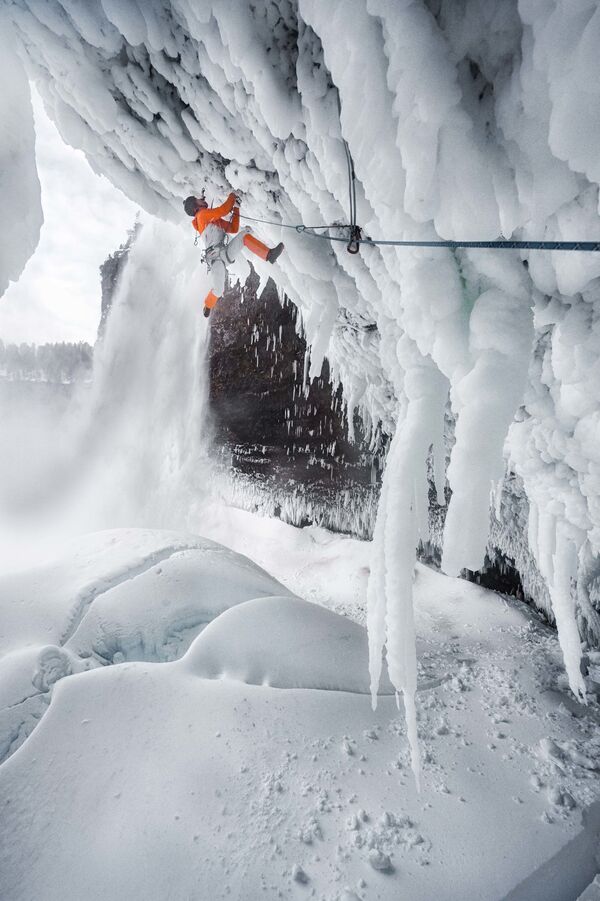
(213, 213)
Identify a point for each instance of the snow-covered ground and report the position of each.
(241, 759)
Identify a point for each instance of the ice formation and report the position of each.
(19, 183)
(465, 120)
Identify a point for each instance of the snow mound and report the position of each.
(154, 615)
(284, 642)
(126, 594)
(183, 576)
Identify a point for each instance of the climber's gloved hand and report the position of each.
(237, 200)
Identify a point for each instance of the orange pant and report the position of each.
(257, 247)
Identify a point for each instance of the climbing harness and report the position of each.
(211, 254)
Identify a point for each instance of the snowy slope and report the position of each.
(148, 780)
(465, 120)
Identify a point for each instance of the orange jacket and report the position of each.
(214, 214)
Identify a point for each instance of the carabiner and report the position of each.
(355, 239)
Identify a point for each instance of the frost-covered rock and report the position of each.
(299, 875)
(379, 860)
(285, 642)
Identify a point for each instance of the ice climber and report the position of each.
(218, 253)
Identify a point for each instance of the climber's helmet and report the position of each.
(192, 204)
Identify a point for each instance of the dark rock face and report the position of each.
(286, 440)
(285, 445)
(110, 272)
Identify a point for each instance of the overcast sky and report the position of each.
(85, 218)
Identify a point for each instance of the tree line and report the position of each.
(59, 362)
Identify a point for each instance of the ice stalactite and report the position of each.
(561, 585)
(401, 522)
(376, 594)
(486, 398)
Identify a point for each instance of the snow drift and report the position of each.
(464, 121)
(285, 643)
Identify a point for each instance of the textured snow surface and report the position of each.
(145, 780)
(476, 120)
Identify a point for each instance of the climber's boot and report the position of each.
(275, 252)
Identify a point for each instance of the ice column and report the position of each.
(501, 334)
(555, 546)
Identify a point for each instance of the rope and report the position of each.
(298, 228)
(355, 235)
(593, 246)
(589, 246)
